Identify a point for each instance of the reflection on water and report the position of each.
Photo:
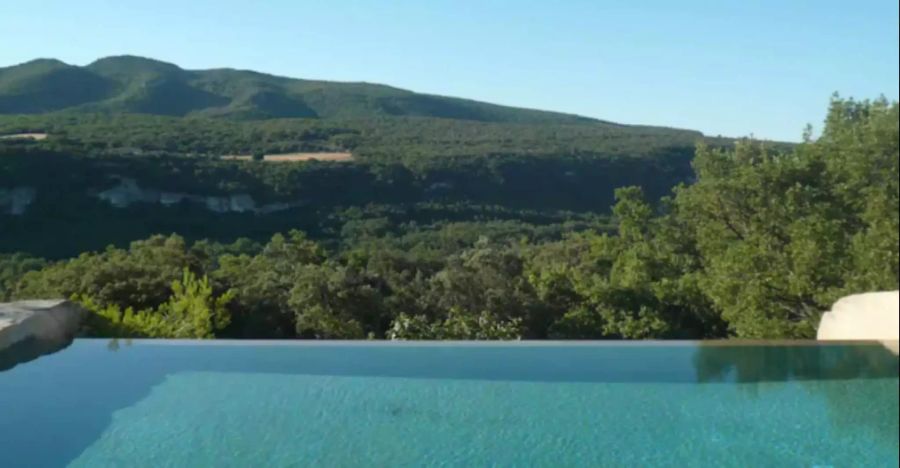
(29, 349)
(872, 408)
(783, 362)
(856, 385)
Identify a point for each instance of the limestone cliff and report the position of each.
(127, 192)
(15, 200)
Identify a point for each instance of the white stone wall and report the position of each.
(870, 316)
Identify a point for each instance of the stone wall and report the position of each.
(870, 316)
(29, 329)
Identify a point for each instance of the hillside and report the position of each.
(499, 247)
(135, 147)
(48, 85)
(140, 85)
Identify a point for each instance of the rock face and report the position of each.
(29, 329)
(15, 201)
(128, 192)
(870, 316)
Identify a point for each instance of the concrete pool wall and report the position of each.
(870, 316)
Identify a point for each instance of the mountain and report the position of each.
(47, 85)
(146, 86)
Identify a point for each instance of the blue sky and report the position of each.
(721, 67)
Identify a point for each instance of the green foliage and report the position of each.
(529, 190)
(337, 302)
(638, 284)
(261, 284)
(782, 235)
(777, 231)
(457, 326)
(762, 242)
(140, 85)
(13, 267)
(192, 311)
(432, 159)
(47, 85)
(140, 276)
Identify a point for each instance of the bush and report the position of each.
(191, 312)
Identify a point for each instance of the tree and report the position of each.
(456, 326)
(782, 235)
(140, 276)
(333, 301)
(192, 311)
(262, 283)
(12, 267)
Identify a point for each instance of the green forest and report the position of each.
(131, 84)
(741, 239)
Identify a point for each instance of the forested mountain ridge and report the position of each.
(167, 129)
(129, 84)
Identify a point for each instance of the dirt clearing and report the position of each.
(24, 136)
(287, 157)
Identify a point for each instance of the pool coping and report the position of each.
(487, 343)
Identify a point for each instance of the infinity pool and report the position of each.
(102, 403)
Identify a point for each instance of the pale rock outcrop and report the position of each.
(122, 195)
(279, 206)
(241, 203)
(171, 198)
(29, 329)
(870, 316)
(15, 201)
(217, 204)
(238, 203)
(127, 192)
(440, 186)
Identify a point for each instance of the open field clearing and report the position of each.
(24, 136)
(288, 157)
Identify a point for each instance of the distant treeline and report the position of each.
(414, 141)
(509, 187)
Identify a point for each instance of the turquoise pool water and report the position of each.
(105, 403)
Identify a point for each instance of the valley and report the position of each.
(353, 210)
